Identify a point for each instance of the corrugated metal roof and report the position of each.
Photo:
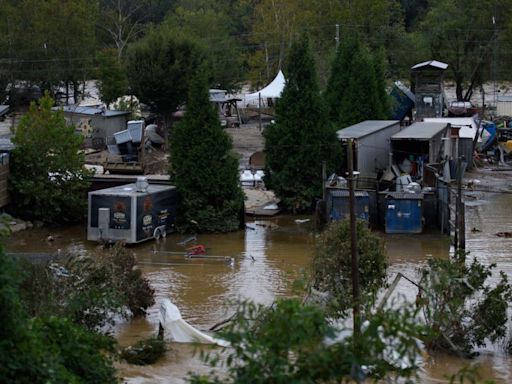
(404, 196)
(431, 63)
(334, 192)
(420, 131)
(364, 128)
(90, 111)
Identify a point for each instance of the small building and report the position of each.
(417, 145)
(97, 125)
(131, 213)
(467, 133)
(504, 106)
(404, 212)
(371, 140)
(427, 86)
(338, 207)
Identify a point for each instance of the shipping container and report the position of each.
(338, 207)
(404, 212)
(131, 213)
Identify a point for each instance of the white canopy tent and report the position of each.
(271, 91)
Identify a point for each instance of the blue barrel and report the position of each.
(404, 212)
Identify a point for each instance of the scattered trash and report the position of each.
(187, 240)
(301, 221)
(474, 230)
(504, 234)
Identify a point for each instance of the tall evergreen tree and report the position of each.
(204, 169)
(301, 138)
(356, 89)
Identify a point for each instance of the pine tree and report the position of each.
(204, 169)
(301, 138)
(356, 89)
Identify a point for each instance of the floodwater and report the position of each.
(267, 258)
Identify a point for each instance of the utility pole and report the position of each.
(353, 243)
(460, 241)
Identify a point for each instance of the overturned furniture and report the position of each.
(131, 213)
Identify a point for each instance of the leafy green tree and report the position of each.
(49, 350)
(112, 82)
(208, 24)
(331, 266)
(294, 343)
(356, 89)
(159, 67)
(204, 169)
(301, 138)
(466, 42)
(460, 307)
(52, 42)
(48, 179)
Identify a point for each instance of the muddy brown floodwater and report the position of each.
(267, 259)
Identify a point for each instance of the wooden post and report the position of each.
(353, 242)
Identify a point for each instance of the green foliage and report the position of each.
(48, 179)
(158, 69)
(301, 138)
(465, 42)
(51, 42)
(203, 168)
(89, 291)
(112, 82)
(292, 343)
(356, 89)
(144, 352)
(210, 26)
(78, 354)
(47, 350)
(460, 307)
(331, 266)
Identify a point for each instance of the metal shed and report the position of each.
(504, 106)
(420, 143)
(371, 146)
(131, 213)
(97, 125)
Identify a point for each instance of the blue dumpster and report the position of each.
(404, 212)
(338, 206)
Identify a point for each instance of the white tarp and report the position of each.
(273, 90)
(178, 330)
